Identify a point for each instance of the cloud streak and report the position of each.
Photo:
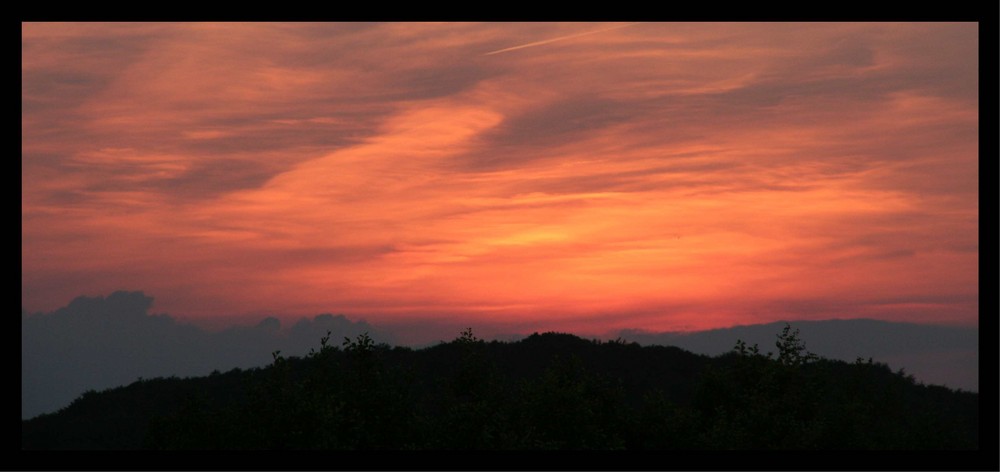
(561, 38)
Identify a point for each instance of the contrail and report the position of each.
(547, 41)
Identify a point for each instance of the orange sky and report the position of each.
(577, 177)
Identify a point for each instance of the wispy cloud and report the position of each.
(662, 174)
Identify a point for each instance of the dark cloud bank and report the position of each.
(103, 342)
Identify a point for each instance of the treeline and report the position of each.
(547, 391)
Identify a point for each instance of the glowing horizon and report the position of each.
(584, 177)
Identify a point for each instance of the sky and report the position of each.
(579, 177)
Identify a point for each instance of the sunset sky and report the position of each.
(579, 177)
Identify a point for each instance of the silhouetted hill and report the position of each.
(937, 354)
(546, 391)
(96, 343)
